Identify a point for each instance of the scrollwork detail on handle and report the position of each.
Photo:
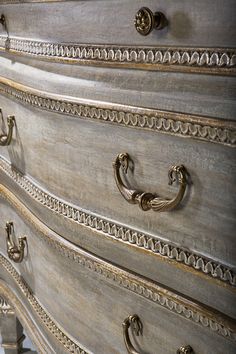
(5, 139)
(147, 201)
(135, 324)
(15, 253)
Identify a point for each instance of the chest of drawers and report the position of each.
(98, 253)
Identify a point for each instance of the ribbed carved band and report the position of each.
(210, 60)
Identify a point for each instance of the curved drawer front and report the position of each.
(76, 156)
(78, 31)
(73, 21)
(86, 287)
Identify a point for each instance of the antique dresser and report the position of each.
(117, 176)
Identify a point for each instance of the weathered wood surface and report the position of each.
(190, 22)
(81, 300)
(70, 157)
(204, 95)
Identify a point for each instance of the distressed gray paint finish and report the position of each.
(81, 294)
(190, 22)
(174, 275)
(209, 95)
(73, 158)
(77, 166)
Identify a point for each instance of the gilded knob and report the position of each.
(185, 350)
(145, 21)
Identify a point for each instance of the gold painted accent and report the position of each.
(15, 253)
(146, 21)
(185, 350)
(177, 304)
(147, 201)
(184, 258)
(5, 139)
(135, 324)
(216, 61)
(213, 130)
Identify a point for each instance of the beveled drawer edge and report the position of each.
(173, 302)
(69, 344)
(221, 61)
(119, 232)
(214, 130)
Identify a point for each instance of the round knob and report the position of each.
(185, 350)
(145, 21)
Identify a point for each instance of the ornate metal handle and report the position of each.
(15, 253)
(145, 21)
(134, 322)
(148, 201)
(5, 139)
(185, 350)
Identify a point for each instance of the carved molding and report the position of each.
(5, 307)
(210, 60)
(119, 232)
(177, 304)
(69, 344)
(204, 128)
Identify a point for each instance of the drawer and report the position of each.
(73, 287)
(190, 23)
(76, 157)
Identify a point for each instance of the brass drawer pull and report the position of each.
(134, 322)
(185, 350)
(145, 21)
(15, 253)
(5, 139)
(148, 201)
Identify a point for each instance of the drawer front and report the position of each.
(76, 158)
(73, 286)
(190, 23)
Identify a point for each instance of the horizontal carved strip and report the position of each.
(210, 60)
(119, 232)
(69, 344)
(184, 125)
(175, 303)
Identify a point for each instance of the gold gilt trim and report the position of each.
(119, 232)
(185, 59)
(175, 303)
(185, 125)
